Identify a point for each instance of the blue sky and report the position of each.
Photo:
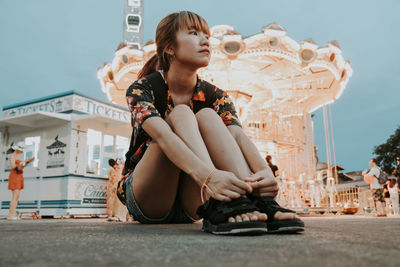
(52, 46)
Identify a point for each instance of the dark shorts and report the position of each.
(176, 214)
(377, 195)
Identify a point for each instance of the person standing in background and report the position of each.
(273, 167)
(394, 195)
(16, 178)
(386, 195)
(114, 175)
(370, 177)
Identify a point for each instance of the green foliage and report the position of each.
(387, 153)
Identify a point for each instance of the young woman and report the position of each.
(187, 144)
(16, 178)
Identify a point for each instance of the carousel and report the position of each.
(275, 83)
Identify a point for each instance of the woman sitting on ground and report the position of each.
(187, 145)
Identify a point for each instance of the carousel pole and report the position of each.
(333, 145)
(327, 142)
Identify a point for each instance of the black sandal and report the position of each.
(216, 213)
(269, 206)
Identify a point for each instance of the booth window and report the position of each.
(108, 153)
(32, 145)
(93, 144)
(103, 147)
(121, 147)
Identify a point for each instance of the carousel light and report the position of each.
(308, 53)
(273, 41)
(232, 45)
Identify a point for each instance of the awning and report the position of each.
(104, 124)
(35, 120)
(43, 119)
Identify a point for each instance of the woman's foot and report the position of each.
(250, 216)
(280, 220)
(258, 216)
(12, 218)
(239, 216)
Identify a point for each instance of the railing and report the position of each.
(351, 200)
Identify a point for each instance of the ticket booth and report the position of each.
(72, 137)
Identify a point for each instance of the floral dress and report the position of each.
(141, 103)
(16, 178)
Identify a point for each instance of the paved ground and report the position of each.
(328, 241)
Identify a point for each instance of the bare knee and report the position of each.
(207, 115)
(181, 113)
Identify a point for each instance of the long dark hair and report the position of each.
(166, 39)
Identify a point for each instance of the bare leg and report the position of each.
(155, 182)
(13, 203)
(156, 175)
(186, 126)
(224, 150)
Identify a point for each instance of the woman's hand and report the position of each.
(27, 161)
(225, 186)
(263, 183)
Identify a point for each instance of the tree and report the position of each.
(387, 153)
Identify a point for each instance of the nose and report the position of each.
(205, 40)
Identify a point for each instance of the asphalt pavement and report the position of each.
(327, 241)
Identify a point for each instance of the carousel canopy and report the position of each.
(269, 70)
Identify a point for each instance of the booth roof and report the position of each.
(72, 92)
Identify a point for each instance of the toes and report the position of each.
(258, 216)
(245, 218)
(262, 217)
(252, 216)
(238, 218)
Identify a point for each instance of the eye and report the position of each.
(193, 32)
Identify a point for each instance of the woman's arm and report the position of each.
(225, 185)
(263, 180)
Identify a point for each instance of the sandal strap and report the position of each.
(218, 212)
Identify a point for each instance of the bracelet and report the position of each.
(205, 185)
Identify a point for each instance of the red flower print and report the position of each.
(199, 96)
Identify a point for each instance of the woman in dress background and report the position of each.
(16, 178)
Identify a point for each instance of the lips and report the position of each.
(205, 50)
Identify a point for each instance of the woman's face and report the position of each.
(193, 48)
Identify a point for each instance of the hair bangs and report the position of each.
(190, 20)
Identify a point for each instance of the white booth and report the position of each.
(72, 137)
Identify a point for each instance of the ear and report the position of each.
(170, 52)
